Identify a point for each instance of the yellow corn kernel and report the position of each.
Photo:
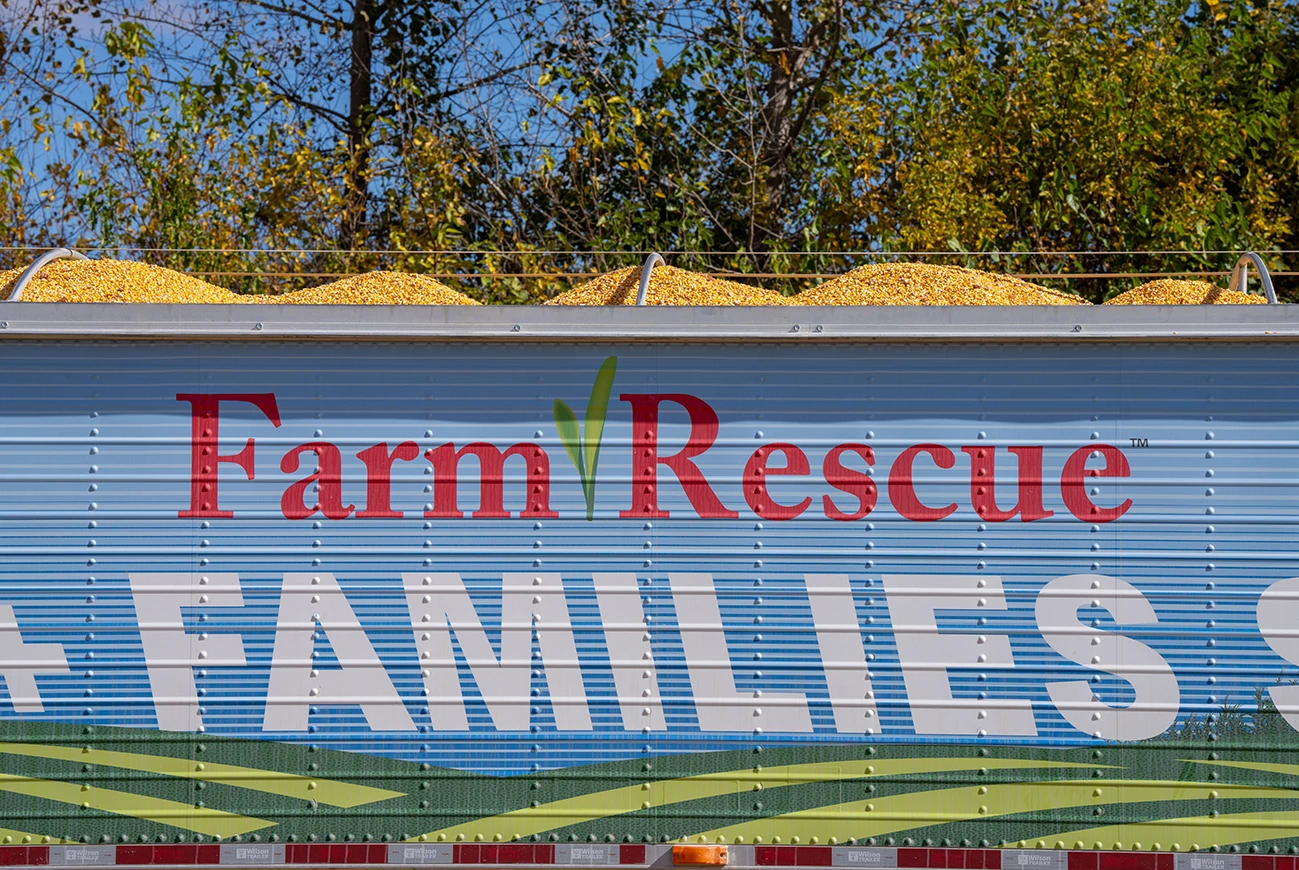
(374, 288)
(668, 286)
(113, 281)
(923, 284)
(1169, 292)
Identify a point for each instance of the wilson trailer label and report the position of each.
(880, 596)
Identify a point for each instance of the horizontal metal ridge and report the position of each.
(651, 323)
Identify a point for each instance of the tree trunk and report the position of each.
(777, 120)
(790, 78)
(359, 118)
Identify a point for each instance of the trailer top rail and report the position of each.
(658, 324)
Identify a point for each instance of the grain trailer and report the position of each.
(958, 588)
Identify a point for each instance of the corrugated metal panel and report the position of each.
(96, 451)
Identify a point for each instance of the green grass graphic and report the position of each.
(430, 799)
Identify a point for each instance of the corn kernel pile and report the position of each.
(113, 281)
(668, 286)
(105, 280)
(1169, 292)
(922, 284)
(373, 288)
(7, 280)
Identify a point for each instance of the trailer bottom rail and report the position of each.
(621, 854)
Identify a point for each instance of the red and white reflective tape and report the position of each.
(622, 854)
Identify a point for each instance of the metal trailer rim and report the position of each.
(692, 324)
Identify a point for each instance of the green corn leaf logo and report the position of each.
(584, 447)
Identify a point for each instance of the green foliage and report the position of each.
(773, 136)
(1092, 126)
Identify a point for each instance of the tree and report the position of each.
(364, 74)
(231, 101)
(755, 135)
(1086, 126)
(688, 128)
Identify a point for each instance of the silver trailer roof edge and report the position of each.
(651, 323)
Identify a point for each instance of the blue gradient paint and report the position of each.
(95, 452)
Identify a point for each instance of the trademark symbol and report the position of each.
(1140, 442)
